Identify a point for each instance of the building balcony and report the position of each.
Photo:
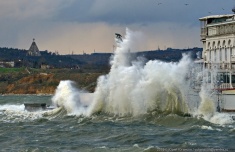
(203, 32)
(219, 30)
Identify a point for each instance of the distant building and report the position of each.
(10, 64)
(33, 50)
(45, 66)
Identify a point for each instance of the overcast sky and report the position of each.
(75, 26)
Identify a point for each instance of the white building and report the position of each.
(218, 37)
(7, 64)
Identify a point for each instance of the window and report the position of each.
(209, 77)
(233, 78)
(220, 54)
(231, 52)
(229, 42)
(215, 55)
(226, 77)
(226, 54)
(210, 55)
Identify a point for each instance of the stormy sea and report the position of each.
(138, 106)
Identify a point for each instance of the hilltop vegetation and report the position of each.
(21, 59)
(94, 61)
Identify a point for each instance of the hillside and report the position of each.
(43, 81)
(83, 69)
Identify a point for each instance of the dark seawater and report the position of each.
(56, 131)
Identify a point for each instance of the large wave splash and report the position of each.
(135, 87)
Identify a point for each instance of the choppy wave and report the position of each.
(16, 113)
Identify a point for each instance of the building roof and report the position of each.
(33, 50)
(33, 47)
(217, 16)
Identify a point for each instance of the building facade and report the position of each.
(218, 38)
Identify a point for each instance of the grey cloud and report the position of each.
(29, 9)
(141, 11)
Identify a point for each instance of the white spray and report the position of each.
(133, 88)
(208, 104)
(68, 96)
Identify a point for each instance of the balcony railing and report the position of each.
(221, 29)
(221, 66)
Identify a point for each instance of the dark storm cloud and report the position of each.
(78, 25)
(142, 11)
